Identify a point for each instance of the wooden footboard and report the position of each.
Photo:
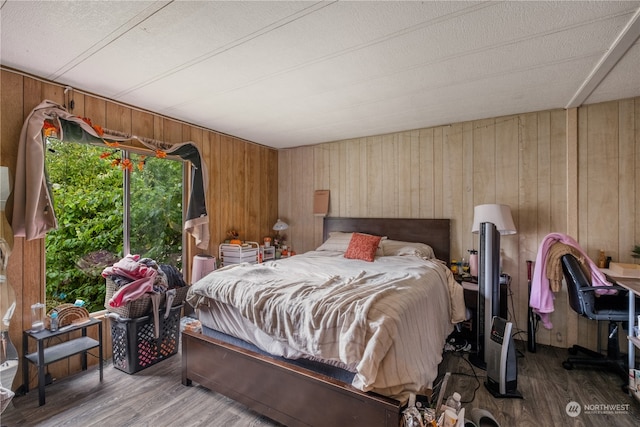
(288, 394)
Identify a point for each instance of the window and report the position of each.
(105, 210)
(156, 211)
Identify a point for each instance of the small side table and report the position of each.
(268, 253)
(470, 286)
(46, 355)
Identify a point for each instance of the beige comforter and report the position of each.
(387, 320)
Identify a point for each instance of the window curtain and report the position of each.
(30, 206)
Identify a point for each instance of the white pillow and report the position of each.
(400, 248)
(339, 241)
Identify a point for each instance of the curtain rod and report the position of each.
(154, 142)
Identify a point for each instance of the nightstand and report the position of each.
(471, 301)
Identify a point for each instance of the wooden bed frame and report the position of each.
(292, 395)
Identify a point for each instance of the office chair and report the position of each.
(614, 308)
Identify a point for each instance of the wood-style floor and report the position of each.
(156, 397)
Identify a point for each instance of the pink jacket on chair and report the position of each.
(542, 297)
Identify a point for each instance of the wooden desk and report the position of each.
(633, 285)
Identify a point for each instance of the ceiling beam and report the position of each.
(620, 46)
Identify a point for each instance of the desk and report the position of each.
(46, 355)
(633, 285)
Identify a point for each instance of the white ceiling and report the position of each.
(293, 73)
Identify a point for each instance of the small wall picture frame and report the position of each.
(321, 202)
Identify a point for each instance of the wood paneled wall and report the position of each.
(242, 192)
(575, 172)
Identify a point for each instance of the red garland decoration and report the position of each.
(97, 128)
(49, 129)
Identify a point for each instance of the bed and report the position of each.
(281, 378)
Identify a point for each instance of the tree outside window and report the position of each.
(88, 195)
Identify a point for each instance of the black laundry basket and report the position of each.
(134, 344)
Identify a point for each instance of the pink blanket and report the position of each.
(141, 275)
(542, 297)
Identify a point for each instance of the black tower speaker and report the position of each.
(488, 290)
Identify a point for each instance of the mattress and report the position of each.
(386, 321)
(318, 367)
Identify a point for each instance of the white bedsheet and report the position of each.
(387, 320)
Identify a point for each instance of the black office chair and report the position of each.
(614, 308)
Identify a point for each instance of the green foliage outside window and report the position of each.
(156, 211)
(88, 199)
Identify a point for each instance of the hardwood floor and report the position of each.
(156, 397)
(547, 388)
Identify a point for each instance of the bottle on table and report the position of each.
(453, 402)
(473, 263)
(54, 321)
(602, 260)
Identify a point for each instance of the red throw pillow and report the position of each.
(363, 247)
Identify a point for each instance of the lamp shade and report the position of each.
(202, 265)
(280, 225)
(498, 215)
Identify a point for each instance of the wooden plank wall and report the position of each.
(242, 192)
(521, 160)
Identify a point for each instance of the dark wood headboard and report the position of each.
(434, 232)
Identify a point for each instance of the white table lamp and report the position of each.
(498, 215)
(280, 225)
